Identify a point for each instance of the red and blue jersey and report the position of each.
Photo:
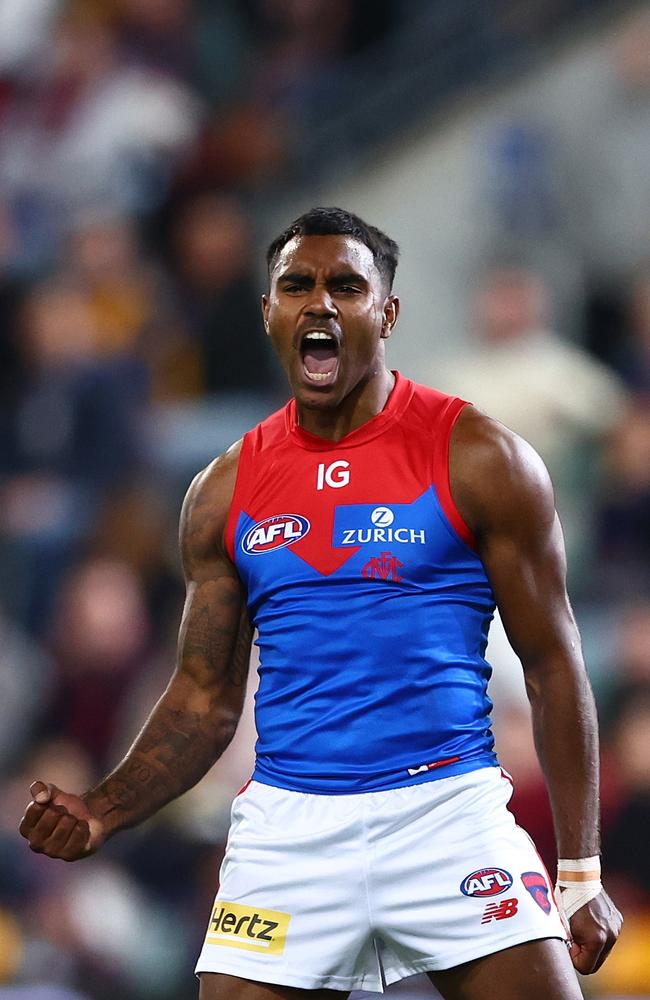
(371, 604)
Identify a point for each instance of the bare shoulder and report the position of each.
(496, 477)
(207, 505)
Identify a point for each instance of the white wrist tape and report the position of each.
(578, 882)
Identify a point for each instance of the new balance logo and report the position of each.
(383, 568)
(500, 911)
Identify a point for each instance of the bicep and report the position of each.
(504, 492)
(526, 566)
(215, 634)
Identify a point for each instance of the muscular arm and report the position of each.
(196, 716)
(504, 493)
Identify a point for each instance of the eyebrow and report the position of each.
(349, 278)
(341, 278)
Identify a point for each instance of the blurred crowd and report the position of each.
(137, 138)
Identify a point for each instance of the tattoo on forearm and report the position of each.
(174, 751)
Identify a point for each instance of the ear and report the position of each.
(265, 312)
(391, 312)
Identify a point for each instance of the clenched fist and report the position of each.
(60, 825)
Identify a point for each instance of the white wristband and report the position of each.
(578, 882)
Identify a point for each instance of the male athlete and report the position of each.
(367, 531)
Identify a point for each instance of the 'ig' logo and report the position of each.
(335, 475)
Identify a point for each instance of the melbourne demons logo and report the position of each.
(274, 533)
(486, 882)
(536, 885)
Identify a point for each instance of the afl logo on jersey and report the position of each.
(486, 882)
(274, 533)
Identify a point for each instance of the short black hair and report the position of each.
(339, 222)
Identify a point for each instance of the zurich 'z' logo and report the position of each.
(486, 882)
(274, 533)
(382, 517)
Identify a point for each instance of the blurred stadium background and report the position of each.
(148, 151)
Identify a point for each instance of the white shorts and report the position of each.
(357, 891)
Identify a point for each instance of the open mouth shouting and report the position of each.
(319, 351)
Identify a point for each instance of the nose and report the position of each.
(320, 304)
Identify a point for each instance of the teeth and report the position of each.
(317, 376)
(318, 335)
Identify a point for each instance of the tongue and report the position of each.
(320, 360)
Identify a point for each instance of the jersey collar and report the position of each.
(396, 404)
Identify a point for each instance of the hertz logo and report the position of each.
(245, 927)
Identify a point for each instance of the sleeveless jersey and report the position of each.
(371, 604)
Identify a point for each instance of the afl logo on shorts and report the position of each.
(486, 882)
(274, 533)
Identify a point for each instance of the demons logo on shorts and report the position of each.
(274, 533)
(537, 886)
(486, 882)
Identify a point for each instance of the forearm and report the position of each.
(565, 729)
(183, 737)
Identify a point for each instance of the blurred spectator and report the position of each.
(101, 640)
(242, 147)
(219, 292)
(132, 306)
(24, 878)
(25, 27)
(625, 716)
(550, 392)
(25, 687)
(618, 328)
(156, 34)
(138, 529)
(301, 47)
(628, 832)
(636, 353)
(11, 292)
(85, 130)
(68, 433)
(624, 522)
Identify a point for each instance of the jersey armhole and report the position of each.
(241, 484)
(441, 469)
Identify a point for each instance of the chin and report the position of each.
(314, 399)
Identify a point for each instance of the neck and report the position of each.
(364, 402)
